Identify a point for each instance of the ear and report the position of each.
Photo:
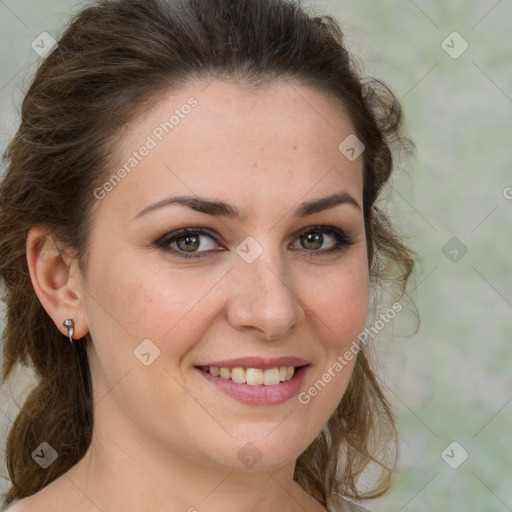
(56, 280)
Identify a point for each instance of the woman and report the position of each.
(190, 247)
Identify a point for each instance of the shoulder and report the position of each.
(22, 505)
(13, 507)
(32, 503)
(53, 497)
(346, 505)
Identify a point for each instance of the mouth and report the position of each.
(253, 376)
(255, 386)
(256, 380)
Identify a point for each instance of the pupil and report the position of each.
(191, 242)
(314, 238)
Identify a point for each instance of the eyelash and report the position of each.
(342, 239)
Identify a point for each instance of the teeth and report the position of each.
(271, 377)
(214, 371)
(253, 376)
(238, 375)
(225, 373)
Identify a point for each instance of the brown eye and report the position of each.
(314, 238)
(198, 242)
(188, 242)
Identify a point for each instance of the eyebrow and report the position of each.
(222, 209)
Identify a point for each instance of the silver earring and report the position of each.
(69, 324)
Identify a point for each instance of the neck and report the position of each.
(124, 470)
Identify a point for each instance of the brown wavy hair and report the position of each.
(114, 60)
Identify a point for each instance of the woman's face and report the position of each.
(262, 280)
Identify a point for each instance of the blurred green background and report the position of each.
(450, 63)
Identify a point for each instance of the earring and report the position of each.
(69, 324)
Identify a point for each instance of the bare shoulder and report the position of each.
(346, 505)
(24, 505)
(39, 502)
(17, 506)
(60, 495)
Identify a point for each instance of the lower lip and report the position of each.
(259, 395)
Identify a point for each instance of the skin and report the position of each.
(165, 438)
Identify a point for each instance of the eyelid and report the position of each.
(326, 229)
(165, 241)
(344, 240)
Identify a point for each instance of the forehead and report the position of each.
(227, 139)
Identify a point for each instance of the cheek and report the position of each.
(134, 300)
(153, 301)
(339, 302)
(340, 309)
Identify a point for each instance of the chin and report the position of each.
(263, 450)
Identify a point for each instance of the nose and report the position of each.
(262, 300)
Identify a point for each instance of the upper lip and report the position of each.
(257, 362)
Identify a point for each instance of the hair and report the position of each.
(113, 60)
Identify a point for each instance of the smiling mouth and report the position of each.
(253, 376)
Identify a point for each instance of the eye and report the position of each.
(192, 242)
(314, 238)
(185, 243)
